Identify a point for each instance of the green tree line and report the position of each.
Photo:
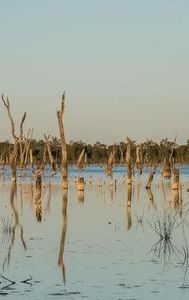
(98, 153)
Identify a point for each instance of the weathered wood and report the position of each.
(167, 170)
(150, 179)
(128, 161)
(139, 158)
(80, 184)
(52, 162)
(13, 156)
(64, 162)
(110, 162)
(81, 160)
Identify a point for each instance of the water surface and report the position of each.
(99, 244)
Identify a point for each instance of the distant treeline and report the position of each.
(98, 153)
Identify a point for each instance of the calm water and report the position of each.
(96, 245)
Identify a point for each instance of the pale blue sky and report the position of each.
(123, 63)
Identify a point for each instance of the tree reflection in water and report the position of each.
(63, 233)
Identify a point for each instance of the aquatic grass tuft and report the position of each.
(166, 224)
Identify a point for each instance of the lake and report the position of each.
(105, 243)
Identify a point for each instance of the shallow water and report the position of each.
(96, 245)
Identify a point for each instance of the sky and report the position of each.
(124, 65)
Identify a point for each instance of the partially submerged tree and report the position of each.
(51, 159)
(139, 158)
(18, 145)
(64, 158)
(110, 163)
(128, 161)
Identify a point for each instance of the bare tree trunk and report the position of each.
(109, 166)
(52, 162)
(139, 158)
(80, 184)
(150, 179)
(17, 140)
(64, 162)
(167, 170)
(128, 161)
(13, 162)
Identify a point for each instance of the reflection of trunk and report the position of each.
(175, 185)
(176, 199)
(15, 226)
(37, 198)
(129, 174)
(150, 197)
(129, 198)
(49, 198)
(63, 233)
(80, 196)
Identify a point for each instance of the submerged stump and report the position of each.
(80, 184)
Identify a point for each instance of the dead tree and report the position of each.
(81, 165)
(139, 158)
(109, 166)
(13, 158)
(64, 161)
(128, 161)
(81, 160)
(51, 159)
(167, 169)
(168, 162)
